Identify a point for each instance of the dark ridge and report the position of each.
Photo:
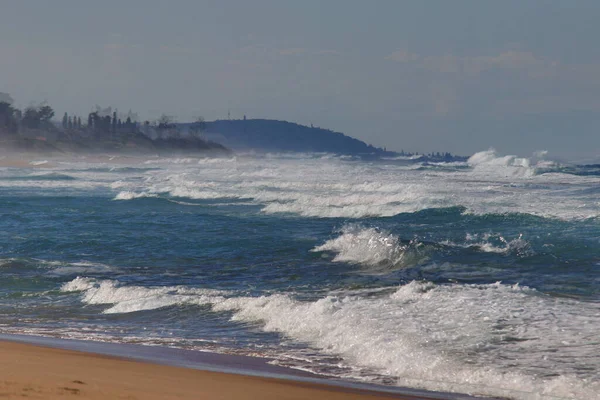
(281, 136)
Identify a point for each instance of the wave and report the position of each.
(82, 267)
(113, 169)
(171, 161)
(176, 193)
(53, 176)
(330, 187)
(382, 251)
(375, 248)
(360, 200)
(403, 158)
(519, 246)
(497, 340)
(512, 166)
(489, 163)
(126, 299)
(448, 167)
(495, 243)
(128, 195)
(38, 162)
(578, 170)
(191, 160)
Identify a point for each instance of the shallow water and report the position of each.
(479, 277)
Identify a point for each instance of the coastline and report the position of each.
(52, 368)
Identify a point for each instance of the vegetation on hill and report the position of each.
(105, 129)
(273, 135)
(282, 136)
(33, 129)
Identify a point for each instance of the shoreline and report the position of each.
(108, 367)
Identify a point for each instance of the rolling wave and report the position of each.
(487, 184)
(437, 337)
(381, 251)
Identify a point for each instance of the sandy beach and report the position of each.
(33, 371)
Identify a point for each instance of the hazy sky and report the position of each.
(415, 75)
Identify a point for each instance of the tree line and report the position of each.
(12, 119)
(101, 123)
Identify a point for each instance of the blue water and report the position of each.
(479, 277)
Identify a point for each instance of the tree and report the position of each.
(114, 122)
(146, 128)
(8, 117)
(38, 117)
(197, 127)
(165, 122)
(31, 118)
(106, 124)
(99, 124)
(65, 119)
(18, 115)
(45, 113)
(166, 127)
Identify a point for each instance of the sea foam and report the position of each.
(375, 248)
(494, 339)
(329, 186)
(125, 299)
(332, 187)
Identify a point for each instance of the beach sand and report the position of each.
(31, 371)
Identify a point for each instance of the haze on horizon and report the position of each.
(458, 76)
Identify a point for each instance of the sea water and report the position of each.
(477, 277)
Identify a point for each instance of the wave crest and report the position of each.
(459, 338)
(126, 299)
(375, 248)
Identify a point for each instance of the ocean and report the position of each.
(477, 277)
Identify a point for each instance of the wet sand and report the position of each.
(34, 371)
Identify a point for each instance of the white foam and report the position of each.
(332, 187)
(491, 164)
(128, 195)
(83, 267)
(495, 243)
(216, 160)
(489, 160)
(498, 340)
(519, 246)
(373, 247)
(126, 299)
(431, 336)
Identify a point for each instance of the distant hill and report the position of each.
(281, 136)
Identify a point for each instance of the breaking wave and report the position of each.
(126, 299)
(496, 339)
(375, 248)
(332, 187)
(128, 195)
(335, 187)
(495, 243)
(82, 267)
(382, 251)
(51, 176)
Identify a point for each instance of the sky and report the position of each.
(459, 76)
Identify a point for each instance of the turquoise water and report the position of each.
(479, 277)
